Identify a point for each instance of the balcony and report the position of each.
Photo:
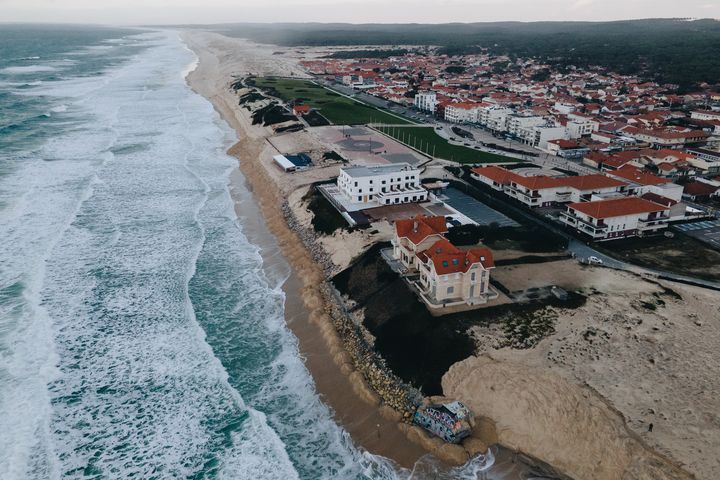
(595, 231)
(656, 223)
(530, 199)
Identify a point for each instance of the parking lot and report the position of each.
(707, 231)
(475, 210)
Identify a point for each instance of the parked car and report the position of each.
(593, 260)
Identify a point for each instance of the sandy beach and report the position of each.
(354, 406)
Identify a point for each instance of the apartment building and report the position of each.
(580, 125)
(616, 218)
(706, 115)
(667, 138)
(517, 123)
(639, 182)
(494, 117)
(540, 135)
(462, 112)
(539, 191)
(426, 101)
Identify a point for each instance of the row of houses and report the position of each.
(623, 203)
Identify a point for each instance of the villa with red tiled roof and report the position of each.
(542, 190)
(446, 275)
(449, 275)
(616, 218)
(415, 235)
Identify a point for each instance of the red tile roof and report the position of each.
(637, 175)
(447, 258)
(420, 227)
(699, 189)
(654, 197)
(617, 207)
(496, 174)
(591, 182)
(581, 182)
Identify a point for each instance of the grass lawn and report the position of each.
(336, 108)
(425, 139)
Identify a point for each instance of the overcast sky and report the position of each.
(354, 11)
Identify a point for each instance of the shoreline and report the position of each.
(354, 406)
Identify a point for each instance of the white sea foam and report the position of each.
(59, 109)
(145, 309)
(27, 69)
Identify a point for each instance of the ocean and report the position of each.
(140, 336)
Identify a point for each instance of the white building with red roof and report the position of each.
(641, 181)
(542, 190)
(447, 276)
(415, 235)
(462, 112)
(450, 276)
(616, 218)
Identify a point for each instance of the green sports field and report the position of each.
(336, 108)
(426, 140)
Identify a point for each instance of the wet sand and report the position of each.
(264, 224)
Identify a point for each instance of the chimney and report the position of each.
(415, 226)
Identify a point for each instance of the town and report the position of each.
(604, 155)
(470, 207)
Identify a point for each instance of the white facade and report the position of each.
(426, 101)
(705, 115)
(672, 191)
(614, 227)
(581, 128)
(518, 124)
(581, 125)
(462, 113)
(564, 108)
(495, 118)
(382, 185)
(542, 134)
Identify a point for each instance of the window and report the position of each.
(472, 277)
(356, 184)
(359, 199)
(450, 290)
